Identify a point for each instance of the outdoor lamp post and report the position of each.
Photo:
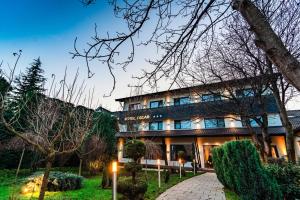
(194, 161)
(179, 167)
(114, 170)
(158, 167)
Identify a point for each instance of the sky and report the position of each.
(47, 29)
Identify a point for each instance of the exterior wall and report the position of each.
(278, 141)
(297, 146)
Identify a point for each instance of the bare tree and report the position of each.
(56, 125)
(179, 29)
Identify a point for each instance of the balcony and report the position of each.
(193, 110)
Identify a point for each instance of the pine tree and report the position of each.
(29, 88)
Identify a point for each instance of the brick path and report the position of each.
(202, 187)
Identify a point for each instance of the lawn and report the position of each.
(230, 195)
(90, 190)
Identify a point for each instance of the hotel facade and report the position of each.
(193, 120)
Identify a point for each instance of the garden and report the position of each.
(91, 186)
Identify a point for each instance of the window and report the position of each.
(214, 123)
(252, 121)
(182, 124)
(187, 149)
(156, 104)
(211, 97)
(244, 92)
(135, 106)
(181, 101)
(133, 127)
(153, 126)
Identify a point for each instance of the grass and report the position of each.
(90, 190)
(230, 195)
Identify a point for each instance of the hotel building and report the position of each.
(193, 120)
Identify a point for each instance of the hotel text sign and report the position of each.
(141, 117)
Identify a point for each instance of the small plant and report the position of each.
(134, 188)
(57, 181)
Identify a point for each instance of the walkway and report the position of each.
(202, 187)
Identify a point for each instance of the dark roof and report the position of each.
(294, 117)
(201, 132)
(233, 82)
(101, 109)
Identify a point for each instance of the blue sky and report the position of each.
(47, 29)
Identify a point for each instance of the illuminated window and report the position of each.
(135, 106)
(211, 97)
(153, 126)
(182, 124)
(244, 92)
(214, 123)
(181, 101)
(156, 104)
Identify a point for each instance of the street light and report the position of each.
(179, 167)
(158, 167)
(114, 170)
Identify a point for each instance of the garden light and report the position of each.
(194, 161)
(114, 170)
(158, 168)
(179, 167)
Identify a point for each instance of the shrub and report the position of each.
(238, 167)
(135, 188)
(288, 178)
(57, 181)
(132, 191)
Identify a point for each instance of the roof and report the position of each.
(232, 82)
(201, 132)
(294, 117)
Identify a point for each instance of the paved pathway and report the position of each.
(202, 187)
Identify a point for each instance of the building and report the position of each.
(194, 120)
(294, 117)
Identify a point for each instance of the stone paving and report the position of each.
(202, 187)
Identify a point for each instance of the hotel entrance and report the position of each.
(207, 152)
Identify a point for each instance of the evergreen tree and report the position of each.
(29, 88)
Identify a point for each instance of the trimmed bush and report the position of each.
(239, 168)
(133, 188)
(132, 191)
(57, 181)
(288, 178)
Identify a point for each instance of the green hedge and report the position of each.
(288, 178)
(57, 181)
(238, 167)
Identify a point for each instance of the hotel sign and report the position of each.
(140, 117)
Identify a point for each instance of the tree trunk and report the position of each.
(266, 138)
(106, 180)
(49, 162)
(165, 158)
(257, 143)
(19, 165)
(269, 42)
(290, 146)
(80, 166)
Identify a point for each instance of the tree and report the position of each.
(238, 53)
(55, 125)
(105, 127)
(29, 87)
(181, 28)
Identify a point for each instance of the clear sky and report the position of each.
(47, 29)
